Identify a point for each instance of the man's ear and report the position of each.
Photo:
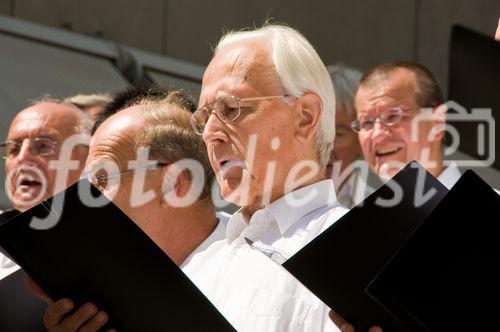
(439, 121)
(309, 114)
(179, 183)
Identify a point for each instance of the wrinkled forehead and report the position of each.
(28, 121)
(115, 138)
(386, 91)
(44, 120)
(243, 68)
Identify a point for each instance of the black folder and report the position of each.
(98, 254)
(340, 264)
(446, 276)
(474, 69)
(20, 309)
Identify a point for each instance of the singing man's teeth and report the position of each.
(382, 152)
(231, 164)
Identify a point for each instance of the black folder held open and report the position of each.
(98, 254)
(408, 268)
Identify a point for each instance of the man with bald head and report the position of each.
(34, 140)
(143, 148)
(34, 155)
(163, 129)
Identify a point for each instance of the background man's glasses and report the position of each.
(102, 181)
(226, 108)
(389, 117)
(39, 145)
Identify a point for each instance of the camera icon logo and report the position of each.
(485, 136)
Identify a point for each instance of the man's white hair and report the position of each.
(84, 125)
(345, 83)
(84, 102)
(300, 70)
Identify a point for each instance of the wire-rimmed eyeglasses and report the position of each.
(389, 117)
(41, 146)
(101, 181)
(227, 109)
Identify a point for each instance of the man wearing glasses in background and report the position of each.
(346, 168)
(389, 98)
(35, 137)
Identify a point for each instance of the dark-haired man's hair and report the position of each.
(428, 92)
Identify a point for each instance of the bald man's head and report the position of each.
(34, 139)
(116, 138)
(131, 152)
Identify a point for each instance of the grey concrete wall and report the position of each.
(361, 33)
(132, 22)
(340, 30)
(435, 19)
(5, 7)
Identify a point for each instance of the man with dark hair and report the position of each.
(163, 183)
(427, 90)
(394, 128)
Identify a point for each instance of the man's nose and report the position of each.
(379, 130)
(214, 129)
(25, 152)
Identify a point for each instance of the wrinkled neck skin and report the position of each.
(181, 230)
(249, 210)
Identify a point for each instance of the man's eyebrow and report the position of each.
(22, 137)
(54, 137)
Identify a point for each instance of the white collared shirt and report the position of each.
(450, 175)
(7, 266)
(354, 189)
(254, 292)
(219, 233)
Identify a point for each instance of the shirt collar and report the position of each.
(450, 175)
(288, 209)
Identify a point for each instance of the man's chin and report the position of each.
(25, 200)
(237, 195)
(232, 195)
(26, 205)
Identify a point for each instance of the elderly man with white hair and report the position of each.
(267, 118)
